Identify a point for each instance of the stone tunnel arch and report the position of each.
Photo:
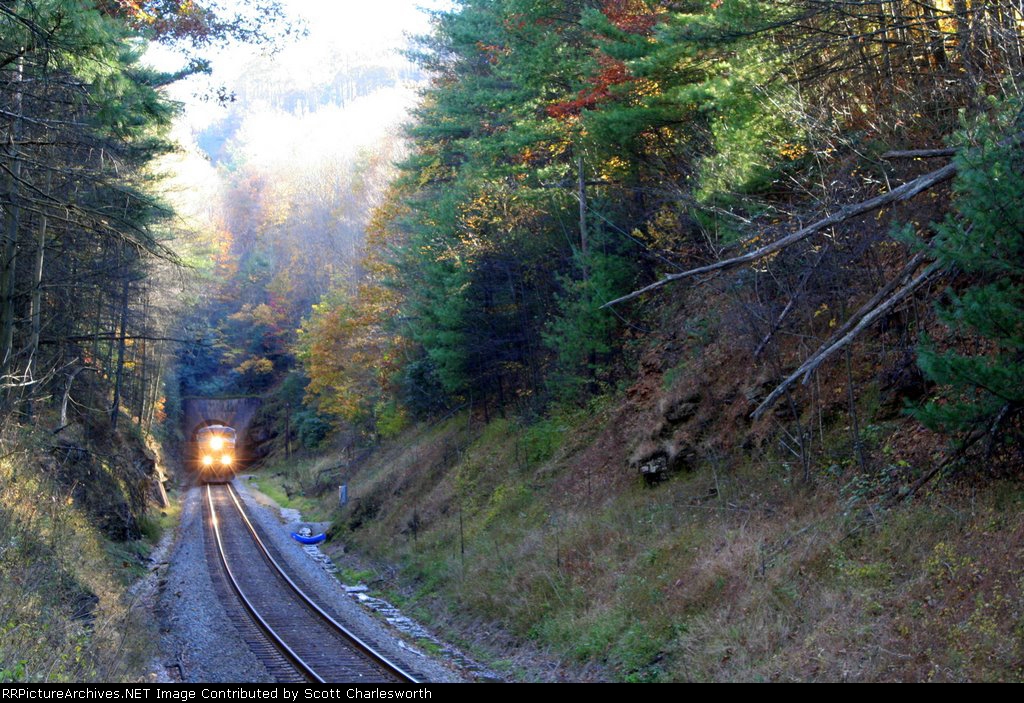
(237, 413)
(207, 422)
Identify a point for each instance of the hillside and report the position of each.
(653, 341)
(82, 515)
(747, 557)
(685, 343)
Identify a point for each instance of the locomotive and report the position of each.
(215, 448)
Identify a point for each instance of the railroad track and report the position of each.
(319, 647)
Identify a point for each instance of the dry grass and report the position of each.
(736, 568)
(65, 613)
(725, 574)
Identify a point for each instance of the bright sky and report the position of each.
(360, 22)
(338, 31)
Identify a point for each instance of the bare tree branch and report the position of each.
(918, 154)
(903, 192)
(831, 348)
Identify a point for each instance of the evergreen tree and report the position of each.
(82, 119)
(581, 334)
(982, 388)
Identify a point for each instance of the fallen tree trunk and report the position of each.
(919, 154)
(903, 192)
(830, 348)
(877, 298)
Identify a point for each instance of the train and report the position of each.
(215, 453)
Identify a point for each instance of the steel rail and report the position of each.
(305, 668)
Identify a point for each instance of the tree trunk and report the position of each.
(582, 194)
(36, 310)
(12, 215)
(154, 394)
(936, 44)
(122, 335)
(67, 395)
(140, 407)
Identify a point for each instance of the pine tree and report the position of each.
(81, 121)
(982, 389)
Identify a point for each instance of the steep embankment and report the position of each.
(79, 515)
(660, 534)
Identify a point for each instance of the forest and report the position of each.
(565, 154)
(624, 258)
(88, 271)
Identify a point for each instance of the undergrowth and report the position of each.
(290, 485)
(66, 613)
(724, 575)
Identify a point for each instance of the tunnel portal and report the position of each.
(237, 413)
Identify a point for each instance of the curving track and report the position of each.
(319, 647)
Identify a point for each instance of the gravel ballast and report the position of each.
(199, 642)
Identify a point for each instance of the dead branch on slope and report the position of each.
(837, 342)
(903, 192)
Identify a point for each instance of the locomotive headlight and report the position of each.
(226, 459)
(207, 460)
(216, 443)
